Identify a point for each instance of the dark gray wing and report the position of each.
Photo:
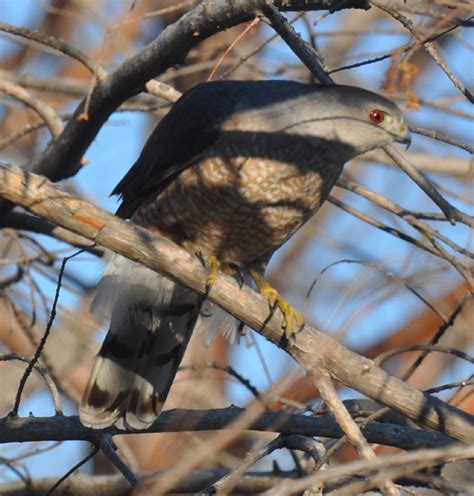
(191, 127)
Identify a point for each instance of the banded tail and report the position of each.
(151, 321)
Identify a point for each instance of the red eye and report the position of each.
(377, 116)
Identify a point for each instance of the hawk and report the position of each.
(231, 172)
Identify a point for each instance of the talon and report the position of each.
(238, 274)
(290, 315)
(210, 259)
(271, 294)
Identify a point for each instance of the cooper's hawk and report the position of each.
(232, 171)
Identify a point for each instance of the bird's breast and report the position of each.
(239, 209)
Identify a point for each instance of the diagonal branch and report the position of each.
(311, 348)
(451, 212)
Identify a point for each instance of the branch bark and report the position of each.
(61, 428)
(311, 348)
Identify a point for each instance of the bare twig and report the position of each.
(451, 212)
(403, 213)
(27, 222)
(109, 449)
(424, 347)
(416, 364)
(162, 90)
(307, 53)
(116, 485)
(427, 45)
(452, 165)
(328, 393)
(249, 26)
(436, 135)
(66, 476)
(227, 483)
(244, 59)
(17, 135)
(47, 113)
(408, 462)
(44, 338)
(228, 370)
(383, 227)
(459, 384)
(439, 334)
(57, 44)
(43, 373)
(397, 51)
(386, 273)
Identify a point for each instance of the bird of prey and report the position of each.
(231, 172)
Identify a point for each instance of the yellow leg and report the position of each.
(290, 315)
(210, 259)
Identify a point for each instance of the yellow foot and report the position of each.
(215, 266)
(210, 259)
(290, 315)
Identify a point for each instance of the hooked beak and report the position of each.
(404, 138)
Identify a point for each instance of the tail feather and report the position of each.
(152, 319)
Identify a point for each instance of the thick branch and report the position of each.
(59, 428)
(311, 348)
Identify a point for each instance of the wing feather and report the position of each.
(191, 127)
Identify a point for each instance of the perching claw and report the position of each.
(290, 315)
(210, 259)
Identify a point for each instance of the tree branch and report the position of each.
(449, 164)
(116, 485)
(25, 222)
(45, 111)
(393, 465)
(61, 428)
(311, 348)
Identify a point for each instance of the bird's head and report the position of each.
(362, 119)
